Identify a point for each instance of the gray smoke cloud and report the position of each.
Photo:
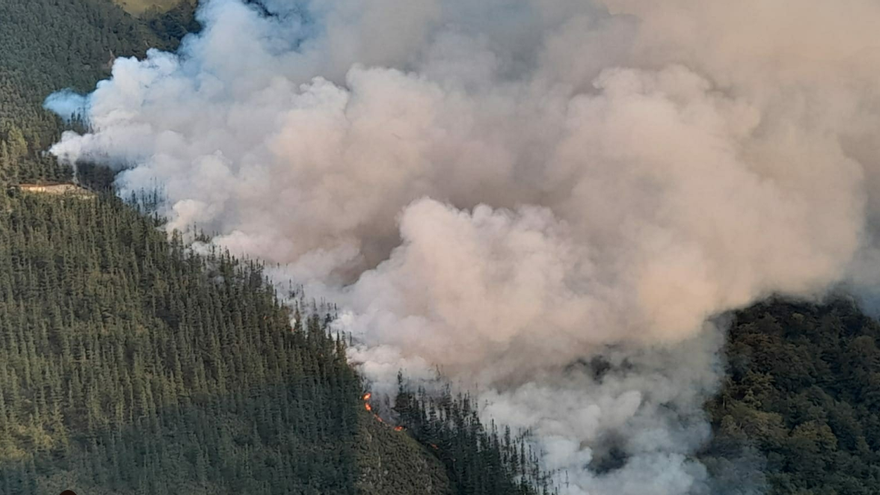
(507, 189)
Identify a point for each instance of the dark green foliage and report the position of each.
(98, 178)
(128, 364)
(392, 462)
(479, 460)
(804, 389)
(50, 45)
(173, 24)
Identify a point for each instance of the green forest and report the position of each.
(803, 389)
(130, 364)
(50, 45)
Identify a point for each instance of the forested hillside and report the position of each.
(804, 390)
(478, 459)
(131, 364)
(54, 44)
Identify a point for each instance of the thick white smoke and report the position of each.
(508, 188)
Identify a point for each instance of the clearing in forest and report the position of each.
(138, 7)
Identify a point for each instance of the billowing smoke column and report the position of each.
(507, 189)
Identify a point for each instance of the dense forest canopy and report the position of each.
(55, 44)
(131, 365)
(803, 388)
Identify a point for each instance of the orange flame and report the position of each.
(369, 408)
(398, 428)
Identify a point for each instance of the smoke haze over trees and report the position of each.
(547, 200)
(509, 189)
(131, 364)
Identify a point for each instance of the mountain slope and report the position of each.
(131, 364)
(803, 388)
(393, 463)
(49, 45)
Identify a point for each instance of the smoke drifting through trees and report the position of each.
(507, 189)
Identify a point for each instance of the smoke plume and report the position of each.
(508, 189)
